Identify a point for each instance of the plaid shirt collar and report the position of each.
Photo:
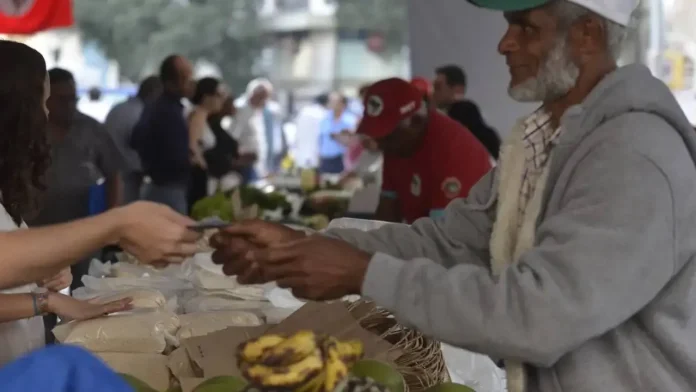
(539, 137)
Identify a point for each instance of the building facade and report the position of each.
(307, 54)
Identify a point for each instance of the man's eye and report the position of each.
(528, 30)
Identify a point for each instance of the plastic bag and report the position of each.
(359, 224)
(133, 332)
(211, 303)
(209, 280)
(168, 286)
(474, 370)
(200, 324)
(283, 298)
(99, 269)
(142, 298)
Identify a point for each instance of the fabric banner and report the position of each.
(31, 16)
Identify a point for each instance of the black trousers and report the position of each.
(198, 186)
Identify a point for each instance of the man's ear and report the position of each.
(460, 90)
(588, 36)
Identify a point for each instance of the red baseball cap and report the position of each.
(422, 84)
(387, 103)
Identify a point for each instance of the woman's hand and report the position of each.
(69, 308)
(58, 282)
(153, 232)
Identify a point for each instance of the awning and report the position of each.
(31, 16)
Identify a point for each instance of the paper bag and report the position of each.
(216, 353)
(333, 319)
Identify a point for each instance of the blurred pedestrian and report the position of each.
(120, 123)
(161, 137)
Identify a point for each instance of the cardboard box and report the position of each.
(215, 354)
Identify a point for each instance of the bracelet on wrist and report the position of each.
(35, 304)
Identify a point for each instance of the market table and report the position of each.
(199, 289)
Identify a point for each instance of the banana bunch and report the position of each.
(303, 362)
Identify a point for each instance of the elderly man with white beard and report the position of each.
(573, 260)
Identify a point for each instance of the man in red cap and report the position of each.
(429, 159)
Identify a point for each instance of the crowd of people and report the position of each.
(566, 252)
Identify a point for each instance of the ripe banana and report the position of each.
(303, 362)
(335, 370)
(290, 376)
(314, 385)
(350, 351)
(291, 350)
(252, 350)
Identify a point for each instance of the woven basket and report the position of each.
(421, 361)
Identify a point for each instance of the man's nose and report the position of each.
(509, 42)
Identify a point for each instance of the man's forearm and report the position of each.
(33, 254)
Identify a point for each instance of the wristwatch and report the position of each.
(40, 297)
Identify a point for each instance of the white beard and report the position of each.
(557, 75)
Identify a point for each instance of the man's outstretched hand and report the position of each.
(314, 267)
(234, 243)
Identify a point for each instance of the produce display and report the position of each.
(148, 346)
(221, 204)
(362, 384)
(316, 222)
(304, 362)
(137, 384)
(381, 372)
(222, 384)
(450, 387)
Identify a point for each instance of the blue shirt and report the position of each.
(329, 148)
(161, 138)
(60, 368)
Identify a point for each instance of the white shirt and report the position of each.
(96, 109)
(305, 149)
(207, 140)
(21, 336)
(250, 132)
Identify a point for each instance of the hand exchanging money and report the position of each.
(314, 267)
(153, 232)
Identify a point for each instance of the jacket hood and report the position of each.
(631, 88)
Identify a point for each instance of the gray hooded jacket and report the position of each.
(606, 300)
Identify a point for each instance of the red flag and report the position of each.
(31, 16)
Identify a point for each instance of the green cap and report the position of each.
(509, 5)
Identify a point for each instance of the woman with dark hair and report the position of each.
(225, 163)
(34, 261)
(208, 99)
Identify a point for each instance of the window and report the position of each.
(292, 5)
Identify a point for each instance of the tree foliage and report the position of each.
(388, 17)
(140, 33)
